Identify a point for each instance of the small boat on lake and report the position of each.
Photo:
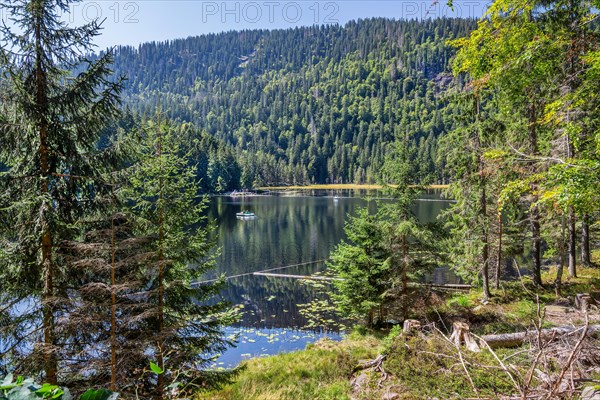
(245, 214)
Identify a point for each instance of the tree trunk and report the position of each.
(404, 278)
(50, 361)
(572, 244)
(536, 248)
(499, 255)
(113, 304)
(485, 250)
(561, 261)
(534, 217)
(518, 338)
(585, 241)
(404, 265)
(483, 214)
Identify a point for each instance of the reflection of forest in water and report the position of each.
(287, 230)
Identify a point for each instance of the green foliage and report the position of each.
(156, 369)
(460, 301)
(55, 105)
(27, 389)
(575, 184)
(384, 250)
(361, 264)
(388, 341)
(540, 154)
(99, 394)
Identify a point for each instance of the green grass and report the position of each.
(461, 300)
(419, 367)
(322, 371)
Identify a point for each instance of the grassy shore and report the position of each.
(343, 186)
(319, 372)
(423, 366)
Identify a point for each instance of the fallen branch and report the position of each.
(518, 338)
(375, 363)
(572, 356)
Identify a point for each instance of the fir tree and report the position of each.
(54, 170)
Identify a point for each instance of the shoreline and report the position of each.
(339, 186)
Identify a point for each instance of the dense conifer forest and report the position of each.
(319, 104)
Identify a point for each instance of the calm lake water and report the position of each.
(297, 230)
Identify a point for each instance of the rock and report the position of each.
(360, 382)
(392, 396)
(590, 393)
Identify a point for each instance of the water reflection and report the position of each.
(289, 229)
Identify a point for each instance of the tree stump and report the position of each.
(582, 301)
(461, 334)
(410, 326)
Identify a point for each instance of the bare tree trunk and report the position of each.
(561, 261)
(536, 248)
(50, 361)
(404, 265)
(404, 278)
(483, 214)
(499, 256)
(572, 244)
(585, 241)
(534, 216)
(485, 250)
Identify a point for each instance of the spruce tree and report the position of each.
(385, 249)
(186, 325)
(55, 172)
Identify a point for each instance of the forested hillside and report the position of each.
(304, 105)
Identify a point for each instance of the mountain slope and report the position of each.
(319, 104)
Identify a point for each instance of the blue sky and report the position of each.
(133, 22)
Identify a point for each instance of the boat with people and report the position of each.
(245, 214)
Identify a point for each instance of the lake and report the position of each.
(293, 230)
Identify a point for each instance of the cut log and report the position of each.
(518, 338)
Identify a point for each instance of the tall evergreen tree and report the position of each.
(186, 326)
(385, 249)
(54, 169)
